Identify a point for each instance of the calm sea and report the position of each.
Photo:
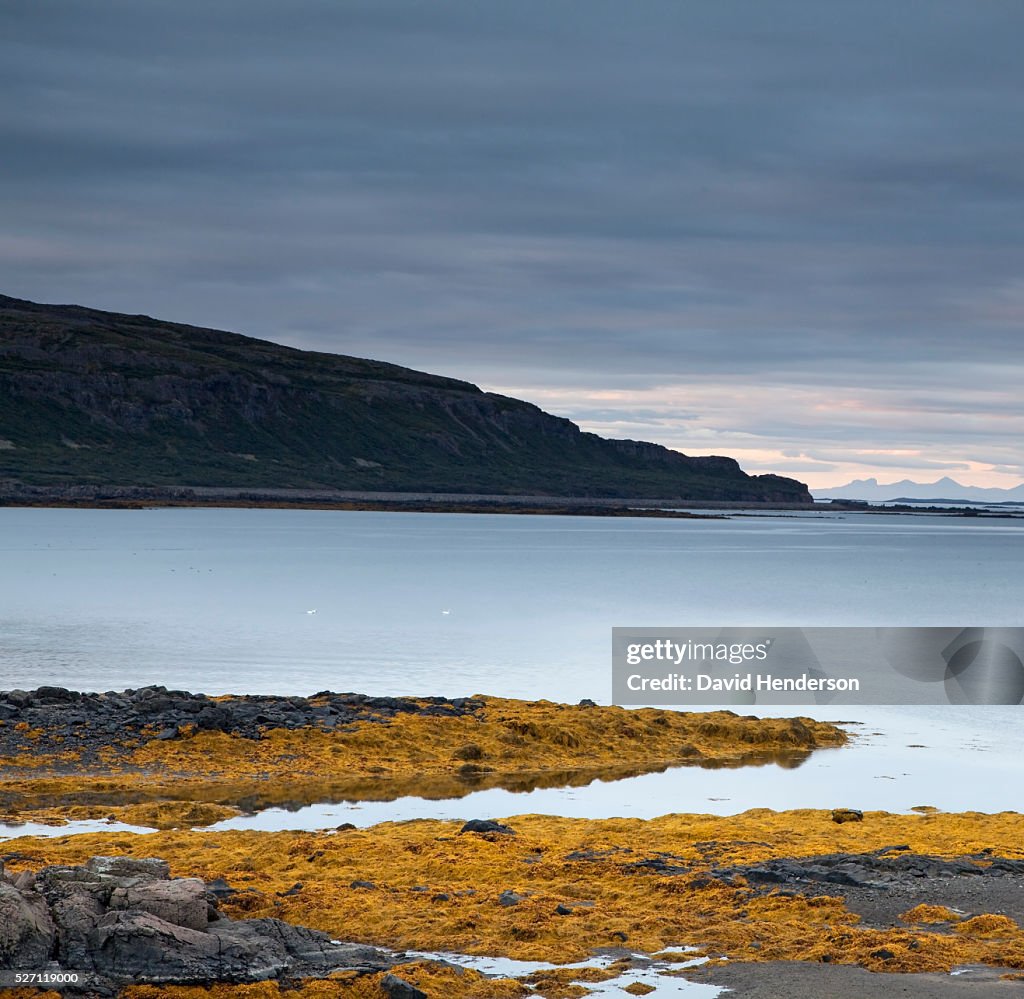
(219, 600)
(222, 601)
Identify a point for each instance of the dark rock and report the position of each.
(563, 910)
(57, 695)
(63, 719)
(658, 865)
(847, 815)
(509, 898)
(181, 902)
(138, 946)
(27, 932)
(77, 915)
(214, 718)
(129, 867)
(362, 884)
(588, 703)
(877, 870)
(595, 855)
(398, 988)
(123, 921)
(141, 947)
(487, 826)
(220, 889)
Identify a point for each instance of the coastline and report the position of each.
(14, 493)
(874, 893)
(544, 889)
(114, 497)
(673, 877)
(169, 758)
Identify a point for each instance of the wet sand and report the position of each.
(799, 980)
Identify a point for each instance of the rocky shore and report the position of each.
(892, 894)
(188, 757)
(54, 720)
(763, 896)
(116, 922)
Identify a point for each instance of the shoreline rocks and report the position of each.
(894, 893)
(885, 869)
(123, 921)
(164, 758)
(52, 719)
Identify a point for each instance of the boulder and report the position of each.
(487, 826)
(128, 867)
(76, 916)
(27, 933)
(398, 988)
(182, 902)
(141, 947)
(841, 815)
(123, 921)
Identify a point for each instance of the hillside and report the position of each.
(91, 397)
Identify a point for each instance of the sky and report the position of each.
(792, 232)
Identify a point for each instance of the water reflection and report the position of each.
(252, 797)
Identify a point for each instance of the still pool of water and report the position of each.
(650, 972)
(971, 762)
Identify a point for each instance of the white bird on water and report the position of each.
(313, 611)
(446, 611)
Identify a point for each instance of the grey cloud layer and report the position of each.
(548, 195)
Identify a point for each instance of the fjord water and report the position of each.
(522, 606)
(218, 600)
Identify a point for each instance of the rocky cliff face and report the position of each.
(97, 397)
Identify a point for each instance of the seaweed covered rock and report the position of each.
(841, 815)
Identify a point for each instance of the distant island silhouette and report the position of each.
(945, 490)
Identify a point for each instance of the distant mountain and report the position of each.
(99, 398)
(943, 489)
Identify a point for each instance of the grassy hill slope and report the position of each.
(91, 397)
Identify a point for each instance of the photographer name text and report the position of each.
(682, 683)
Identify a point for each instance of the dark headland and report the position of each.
(95, 402)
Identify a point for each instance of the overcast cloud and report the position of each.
(790, 232)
